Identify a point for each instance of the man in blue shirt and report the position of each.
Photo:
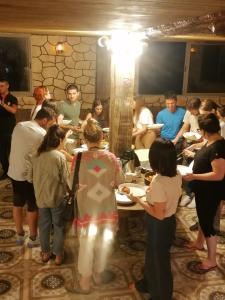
(172, 117)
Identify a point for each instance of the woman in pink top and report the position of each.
(97, 219)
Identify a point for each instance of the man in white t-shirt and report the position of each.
(39, 96)
(26, 138)
(190, 121)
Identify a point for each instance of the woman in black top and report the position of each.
(208, 183)
(97, 113)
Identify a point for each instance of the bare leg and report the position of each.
(85, 283)
(18, 219)
(199, 242)
(211, 259)
(32, 220)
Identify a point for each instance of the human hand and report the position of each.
(69, 132)
(133, 198)
(174, 141)
(188, 177)
(188, 153)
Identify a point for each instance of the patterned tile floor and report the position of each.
(24, 277)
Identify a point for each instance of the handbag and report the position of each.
(70, 209)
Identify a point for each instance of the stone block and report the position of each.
(38, 40)
(36, 51)
(89, 40)
(37, 76)
(48, 64)
(73, 40)
(78, 56)
(92, 80)
(36, 83)
(90, 56)
(86, 105)
(59, 58)
(47, 58)
(61, 84)
(89, 89)
(68, 50)
(93, 48)
(69, 62)
(90, 73)
(55, 39)
(59, 94)
(93, 65)
(60, 75)
(48, 81)
(89, 98)
(50, 49)
(81, 65)
(29, 101)
(81, 48)
(69, 79)
(50, 72)
(82, 80)
(60, 66)
(36, 65)
(43, 50)
(72, 72)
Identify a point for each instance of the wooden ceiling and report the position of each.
(98, 16)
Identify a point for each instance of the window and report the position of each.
(15, 62)
(182, 67)
(206, 68)
(161, 68)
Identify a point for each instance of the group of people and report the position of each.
(41, 179)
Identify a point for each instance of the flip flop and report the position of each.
(198, 267)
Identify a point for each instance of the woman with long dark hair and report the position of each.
(97, 113)
(208, 184)
(161, 205)
(50, 175)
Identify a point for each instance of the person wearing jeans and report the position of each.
(50, 177)
(47, 218)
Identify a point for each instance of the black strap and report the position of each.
(76, 173)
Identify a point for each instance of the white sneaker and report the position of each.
(185, 200)
(192, 204)
(35, 243)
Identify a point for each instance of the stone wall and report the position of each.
(77, 64)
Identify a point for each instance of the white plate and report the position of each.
(122, 199)
(135, 189)
(192, 136)
(155, 126)
(70, 141)
(184, 170)
(66, 122)
(84, 146)
(106, 129)
(76, 150)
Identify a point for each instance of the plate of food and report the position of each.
(66, 122)
(184, 170)
(123, 199)
(132, 188)
(106, 129)
(155, 126)
(192, 136)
